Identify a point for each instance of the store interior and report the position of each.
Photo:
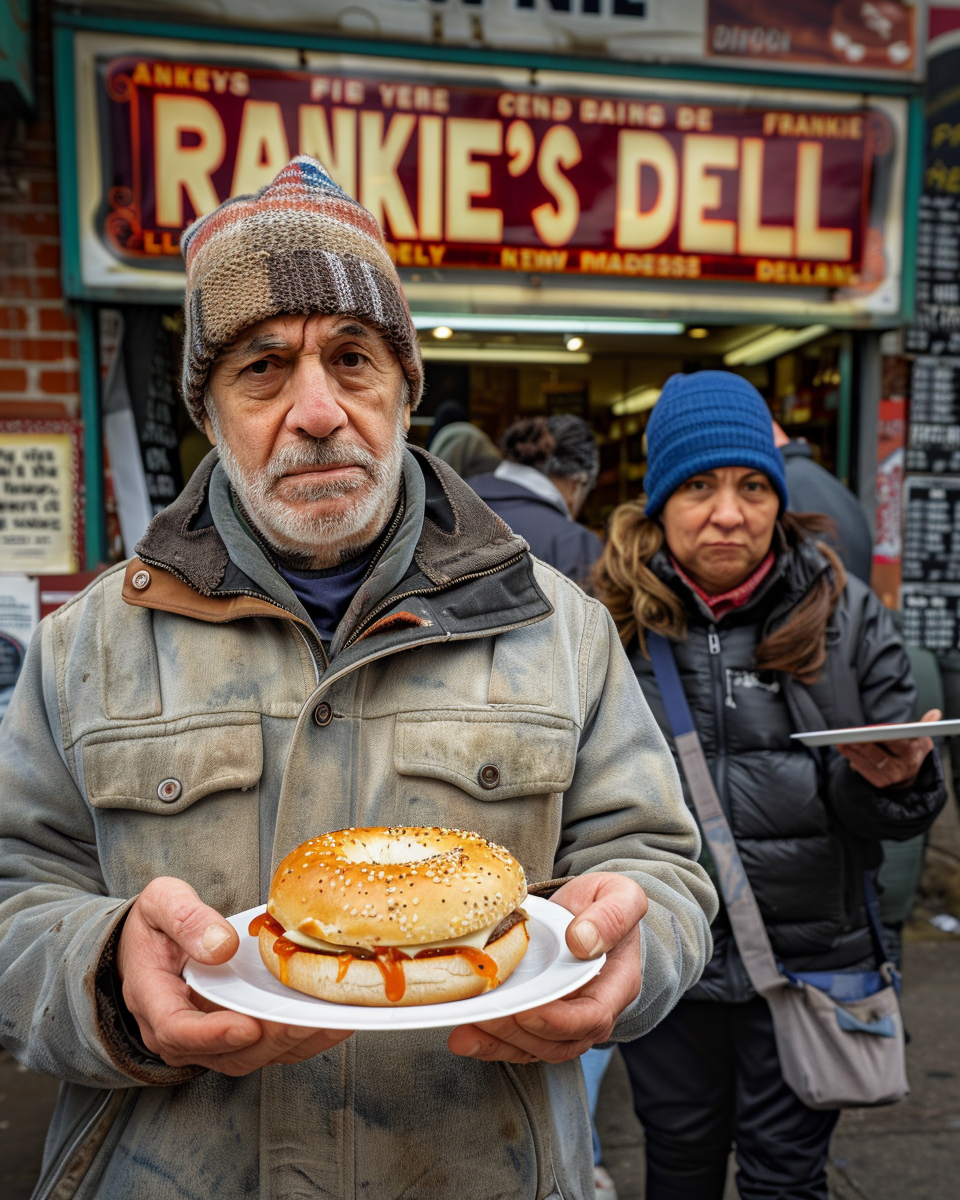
(513, 368)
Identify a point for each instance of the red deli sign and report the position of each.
(482, 177)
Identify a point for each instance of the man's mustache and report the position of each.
(326, 452)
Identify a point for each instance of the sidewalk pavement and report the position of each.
(910, 1151)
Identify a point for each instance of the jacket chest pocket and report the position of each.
(179, 799)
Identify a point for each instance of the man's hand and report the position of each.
(608, 909)
(891, 764)
(167, 925)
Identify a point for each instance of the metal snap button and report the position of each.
(323, 714)
(170, 790)
(141, 580)
(489, 776)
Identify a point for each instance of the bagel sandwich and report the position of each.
(394, 916)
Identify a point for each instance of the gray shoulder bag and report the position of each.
(839, 1036)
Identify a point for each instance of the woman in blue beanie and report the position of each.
(757, 612)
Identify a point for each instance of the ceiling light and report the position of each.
(574, 343)
(443, 332)
(637, 401)
(503, 354)
(518, 323)
(779, 341)
(698, 332)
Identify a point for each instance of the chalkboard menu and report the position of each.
(933, 442)
(931, 534)
(931, 615)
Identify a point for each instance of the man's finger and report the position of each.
(177, 1027)
(606, 907)
(172, 907)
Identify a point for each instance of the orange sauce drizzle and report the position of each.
(343, 965)
(265, 921)
(390, 961)
(482, 963)
(284, 949)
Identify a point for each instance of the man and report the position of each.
(324, 630)
(813, 489)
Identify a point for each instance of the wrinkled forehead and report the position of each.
(310, 333)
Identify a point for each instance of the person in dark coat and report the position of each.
(813, 489)
(758, 611)
(549, 468)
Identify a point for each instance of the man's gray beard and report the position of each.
(304, 538)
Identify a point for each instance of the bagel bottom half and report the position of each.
(434, 980)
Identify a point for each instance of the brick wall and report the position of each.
(38, 341)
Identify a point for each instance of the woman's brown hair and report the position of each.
(639, 601)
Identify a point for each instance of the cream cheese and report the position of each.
(478, 939)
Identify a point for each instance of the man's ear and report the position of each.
(208, 429)
(407, 414)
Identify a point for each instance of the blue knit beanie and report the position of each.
(706, 420)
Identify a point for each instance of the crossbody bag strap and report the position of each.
(749, 930)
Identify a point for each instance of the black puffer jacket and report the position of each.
(805, 823)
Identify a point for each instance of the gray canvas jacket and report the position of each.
(477, 655)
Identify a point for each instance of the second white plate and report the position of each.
(878, 733)
(546, 972)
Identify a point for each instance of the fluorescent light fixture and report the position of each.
(443, 332)
(518, 323)
(504, 354)
(779, 341)
(574, 343)
(637, 402)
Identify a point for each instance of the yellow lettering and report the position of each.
(430, 177)
(559, 148)
(634, 228)
(338, 152)
(814, 241)
(262, 150)
(702, 192)
(380, 188)
(467, 178)
(754, 236)
(179, 168)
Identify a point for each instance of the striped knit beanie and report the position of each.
(706, 420)
(300, 245)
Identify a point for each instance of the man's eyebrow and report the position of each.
(353, 330)
(261, 343)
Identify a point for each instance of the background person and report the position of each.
(460, 443)
(713, 560)
(549, 468)
(248, 682)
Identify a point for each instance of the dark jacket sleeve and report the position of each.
(887, 695)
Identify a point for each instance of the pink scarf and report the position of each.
(727, 601)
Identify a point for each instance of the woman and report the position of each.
(754, 606)
(549, 469)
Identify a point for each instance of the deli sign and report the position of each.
(468, 176)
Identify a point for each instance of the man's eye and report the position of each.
(260, 367)
(352, 359)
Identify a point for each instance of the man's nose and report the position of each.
(314, 408)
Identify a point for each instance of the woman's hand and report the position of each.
(891, 764)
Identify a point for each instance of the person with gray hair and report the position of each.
(550, 466)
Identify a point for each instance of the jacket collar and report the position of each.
(183, 565)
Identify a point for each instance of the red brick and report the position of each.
(59, 383)
(37, 224)
(55, 320)
(45, 287)
(12, 380)
(43, 191)
(47, 256)
(31, 349)
(14, 318)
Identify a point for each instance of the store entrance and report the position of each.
(614, 381)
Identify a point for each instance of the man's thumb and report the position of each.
(172, 907)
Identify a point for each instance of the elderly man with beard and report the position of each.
(325, 630)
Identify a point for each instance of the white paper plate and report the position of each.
(878, 733)
(546, 972)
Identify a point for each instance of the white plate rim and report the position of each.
(878, 733)
(223, 986)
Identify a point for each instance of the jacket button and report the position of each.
(141, 580)
(323, 714)
(489, 776)
(170, 790)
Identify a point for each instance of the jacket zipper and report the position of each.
(67, 1156)
(714, 647)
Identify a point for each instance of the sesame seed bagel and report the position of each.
(398, 886)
